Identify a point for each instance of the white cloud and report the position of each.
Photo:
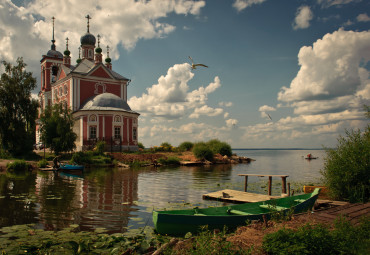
(129, 21)
(240, 5)
(331, 68)
(231, 122)
(328, 3)
(226, 104)
(205, 110)
(363, 18)
(226, 114)
(303, 17)
(170, 98)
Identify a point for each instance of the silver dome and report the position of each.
(106, 102)
(54, 54)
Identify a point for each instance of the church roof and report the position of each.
(86, 66)
(106, 102)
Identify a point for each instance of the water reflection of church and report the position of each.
(99, 200)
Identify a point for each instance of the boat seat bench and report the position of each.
(274, 207)
(299, 200)
(237, 212)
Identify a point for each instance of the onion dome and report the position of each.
(108, 59)
(79, 55)
(67, 52)
(54, 54)
(98, 49)
(88, 39)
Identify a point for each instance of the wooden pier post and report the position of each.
(270, 185)
(283, 179)
(289, 189)
(246, 183)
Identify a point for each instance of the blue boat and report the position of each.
(65, 167)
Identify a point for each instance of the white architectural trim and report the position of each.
(82, 130)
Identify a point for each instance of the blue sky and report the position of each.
(303, 63)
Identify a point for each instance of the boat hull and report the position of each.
(70, 167)
(180, 222)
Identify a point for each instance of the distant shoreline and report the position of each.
(260, 149)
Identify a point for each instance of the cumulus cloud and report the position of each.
(226, 104)
(129, 22)
(332, 68)
(170, 98)
(205, 110)
(231, 122)
(264, 111)
(303, 17)
(240, 5)
(363, 17)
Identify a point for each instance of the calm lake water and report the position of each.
(120, 199)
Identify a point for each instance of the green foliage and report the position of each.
(24, 239)
(186, 146)
(57, 128)
(220, 147)
(169, 161)
(141, 146)
(100, 147)
(346, 169)
(208, 242)
(166, 146)
(318, 239)
(4, 154)
(89, 158)
(18, 111)
(42, 163)
(17, 166)
(202, 151)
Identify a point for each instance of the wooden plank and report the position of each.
(264, 175)
(235, 196)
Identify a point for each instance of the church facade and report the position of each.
(96, 94)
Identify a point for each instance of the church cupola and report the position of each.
(79, 55)
(108, 60)
(67, 58)
(98, 51)
(53, 53)
(88, 42)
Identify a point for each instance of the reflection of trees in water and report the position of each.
(219, 171)
(17, 204)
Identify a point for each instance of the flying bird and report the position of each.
(194, 66)
(269, 116)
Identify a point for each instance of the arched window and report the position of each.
(54, 70)
(60, 91)
(65, 90)
(92, 118)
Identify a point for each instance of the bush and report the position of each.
(202, 151)
(82, 158)
(169, 161)
(317, 239)
(186, 146)
(42, 163)
(346, 169)
(100, 147)
(141, 146)
(17, 166)
(220, 147)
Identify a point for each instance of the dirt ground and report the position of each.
(251, 236)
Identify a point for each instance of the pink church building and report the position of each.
(96, 94)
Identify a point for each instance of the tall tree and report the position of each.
(18, 111)
(57, 128)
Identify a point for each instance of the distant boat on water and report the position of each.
(310, 156)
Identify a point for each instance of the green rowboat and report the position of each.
(179, 222)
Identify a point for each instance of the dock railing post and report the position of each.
(246, 183)
(283, 179)
(270, 184)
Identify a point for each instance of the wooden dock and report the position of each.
(352, 212)
(235, 196)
